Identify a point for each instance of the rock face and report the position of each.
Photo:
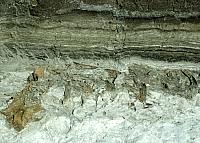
(157, 29)
(84, 83)
(93, 51)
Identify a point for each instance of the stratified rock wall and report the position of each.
(158, 29)
(99, 70)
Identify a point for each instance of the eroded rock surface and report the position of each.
(112, 70)
(158, 29)
(83, 81)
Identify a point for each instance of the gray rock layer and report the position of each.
(158, 29)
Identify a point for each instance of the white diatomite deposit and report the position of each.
(170, 119)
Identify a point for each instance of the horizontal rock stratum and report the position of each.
(158, 29)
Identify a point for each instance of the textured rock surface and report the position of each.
(112, 70)
(97, 101)
(167, 31)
